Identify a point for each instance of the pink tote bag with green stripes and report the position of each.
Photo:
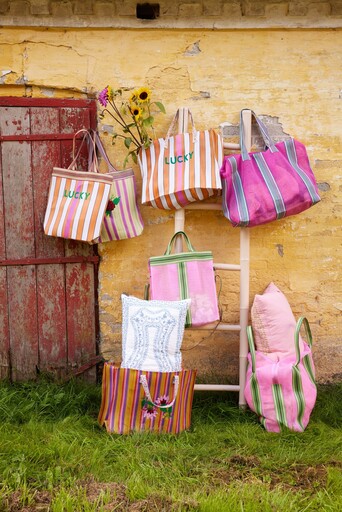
(261, 187)
(186, 275)
(282, 393)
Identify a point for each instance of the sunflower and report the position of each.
(143, 94)
(136, 111)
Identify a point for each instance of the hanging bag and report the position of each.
(282, 391)
(186, 275)
(181, 168)
(122, 219)
(260, 187)
(77, 200)
(136, 400)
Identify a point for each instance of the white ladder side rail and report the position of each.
(243, 268)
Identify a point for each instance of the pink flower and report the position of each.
(163, 400)
(104, 97)
(149, 411)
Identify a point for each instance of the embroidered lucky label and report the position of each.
(180, 158)
(76, 195)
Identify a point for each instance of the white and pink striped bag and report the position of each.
(77, 201)
(181, 169)
(282, 391)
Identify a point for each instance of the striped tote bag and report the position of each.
(123, 219)
(77, 201)
(136, 400)
(180, 169)
(260, 187)
(282, 392)
(186, 275)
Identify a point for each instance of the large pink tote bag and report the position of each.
(186, 275)
(282, 393)
(261, 187)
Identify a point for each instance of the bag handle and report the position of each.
(97, 144)
(302, 320)
(264, 133)
(251, 346)
(86, 136)
(172, 241)
(143, 382)
(175, 120)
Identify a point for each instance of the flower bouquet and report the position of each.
(133, 116)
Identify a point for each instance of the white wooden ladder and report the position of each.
(242, 267)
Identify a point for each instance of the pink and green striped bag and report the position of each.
(136, 400)
(282, 393)
(186, 275)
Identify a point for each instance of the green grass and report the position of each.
(55, 457)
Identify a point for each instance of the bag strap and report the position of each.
(174, 121)
(97, 144)
(264, 133)
(75, 156)
(302, 320)
(172, 241)
(143, 382)
(251, 346)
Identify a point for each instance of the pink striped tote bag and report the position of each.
(282, 392)
(122, 219)
(180, 169)
(260, 187)
(77, 201)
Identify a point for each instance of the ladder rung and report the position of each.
(226, 266)
(217, 387)
(203, 206)
(219, 327)
(231, 145)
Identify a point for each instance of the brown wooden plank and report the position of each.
(52, 319)
(81, 315)
(17, 184)
(45, 156)
(4, 327)
(23, 321)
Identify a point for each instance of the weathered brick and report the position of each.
(19, 8)
(82, 7)
(4, 7)
(298, 8)
(231, 9)
(319, 9)
(62, 9)
(187, 10)
(40, 7)
(104, 8)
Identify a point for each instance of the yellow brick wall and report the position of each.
(292, 75)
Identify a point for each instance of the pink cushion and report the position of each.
(273, 324)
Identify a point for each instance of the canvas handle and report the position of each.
(143, 382)
(264, 133)
(97, 144)
(302, 320)
(174, 121)
(172, 241)
(251, 346)
(75, 156)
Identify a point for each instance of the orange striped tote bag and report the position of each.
(182, 168)
(77, 201)
(136, 400)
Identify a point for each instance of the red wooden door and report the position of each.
(48, 286)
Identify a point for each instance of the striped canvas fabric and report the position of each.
(264, 186)
(282, 393)
(186, 275)
(125, 220)
(181, 169)
(77, 203)
(126, 407)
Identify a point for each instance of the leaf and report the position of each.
(160, 106)
(148, 121)
(116, 200)
(134, 157)
(128, 142)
